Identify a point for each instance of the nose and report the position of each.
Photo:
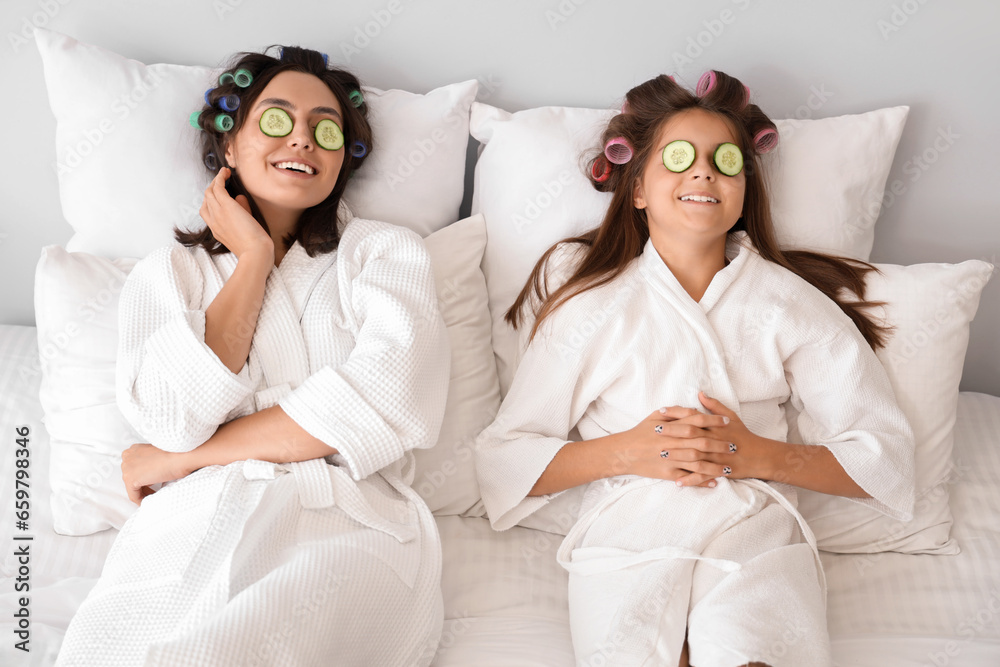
(702, 167)
(300, 136)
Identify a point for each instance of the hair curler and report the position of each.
(618, 150)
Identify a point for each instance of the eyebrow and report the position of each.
(277, 101)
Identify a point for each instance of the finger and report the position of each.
(716, 407)
(701, 420)
(697, 479)
(135, 495)
(697, 446)
(674, 412)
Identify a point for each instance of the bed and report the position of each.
(505, 596)
(925, 593)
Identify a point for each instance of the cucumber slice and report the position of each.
(678, 155)
(275, 122)
(728, 159)
(328, 135)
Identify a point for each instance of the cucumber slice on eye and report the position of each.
(275, 122)
(728, 159)
(328, 135)
(678, 155)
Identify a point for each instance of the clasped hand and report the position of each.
(144, 465)
(690, 447)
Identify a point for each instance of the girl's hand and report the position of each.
(742, 457)
(144, 465)
(673, 444)
(230, 219)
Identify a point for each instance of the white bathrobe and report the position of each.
(329, 561)
(649, 560)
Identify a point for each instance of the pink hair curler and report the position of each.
(625, 106)
(600, 171)
(705, 84)
(746, 95)
(618, 150)
(766, 140)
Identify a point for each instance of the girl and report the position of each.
(682, 298)
(293, 368)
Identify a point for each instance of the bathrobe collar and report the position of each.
(738, 251)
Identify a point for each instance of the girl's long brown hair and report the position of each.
(621, 236)
(317, 227)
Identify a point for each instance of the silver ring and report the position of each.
(732, 448)
(664, 454)
(727, 470)
(658, 428)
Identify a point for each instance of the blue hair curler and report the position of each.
(193, 120)
(226, 78)
(243, 77)
(229, 102)
(211, 161)
(358, 149)
(223, 122)
(326, 59)
(207, 93)
(356, 98)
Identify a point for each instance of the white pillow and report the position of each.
(931, 307)
(446, 475)
(827, 179)
(129, 163)
(76, 311)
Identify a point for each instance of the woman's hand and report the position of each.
(743, 458)
(230, 219)
(674, 444)
(144, 465)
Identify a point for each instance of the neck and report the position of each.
(694, 262)
(281, 222)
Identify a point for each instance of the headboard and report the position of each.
(805, 60)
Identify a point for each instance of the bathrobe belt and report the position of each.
(322, 485)
(594, 560)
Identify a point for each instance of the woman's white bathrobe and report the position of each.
(648, 560)
(323, 562)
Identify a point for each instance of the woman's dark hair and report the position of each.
(609, 248)
(317, 228)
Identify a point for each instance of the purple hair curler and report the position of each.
(605, 169)
(229, 102)
(193, 120)
(225, 78)
(223, 122)
(358, 149)
(705, 84)
(618, 150)
(357, 99)
(243, 77)
(766, 140)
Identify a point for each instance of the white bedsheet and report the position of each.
(505, 596)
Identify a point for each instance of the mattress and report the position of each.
(505, 596)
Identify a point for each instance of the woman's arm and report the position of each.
(231, 318)
(268, 435)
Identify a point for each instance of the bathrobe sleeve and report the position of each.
(556, 381)
(171, 386)
(846, 403)
(389, 396)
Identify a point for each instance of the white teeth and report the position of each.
(699, 198)
(298, 166)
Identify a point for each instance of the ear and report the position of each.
(230, 155)
(638, 199)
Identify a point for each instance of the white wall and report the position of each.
(942, 59)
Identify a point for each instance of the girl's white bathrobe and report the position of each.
(329, 561)
(648, 560)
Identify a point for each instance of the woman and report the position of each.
(682, 298)
(293, 368)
